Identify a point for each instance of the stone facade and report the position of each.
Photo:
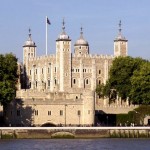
(60, 89)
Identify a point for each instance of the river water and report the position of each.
(75, 144)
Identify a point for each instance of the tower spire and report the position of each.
(120, 29)
(63, 23)
(81, 33)
(29, 33)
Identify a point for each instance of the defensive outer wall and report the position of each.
(73, 132)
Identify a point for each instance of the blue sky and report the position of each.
(99, 19)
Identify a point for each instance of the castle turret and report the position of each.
(81, 46)
(29, 51)
(63, 61)
(120, 44)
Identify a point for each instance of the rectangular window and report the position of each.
(49, 113)
(18, 112)
(61, 112)
(30, 72)
(36, 71)
(48, 82)
(88, 111)
(48, 70)
(42, 70)
(79, 113)
(99, 71)
(36, 112)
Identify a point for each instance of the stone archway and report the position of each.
(48, 124)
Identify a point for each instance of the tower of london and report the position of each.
(60, 89)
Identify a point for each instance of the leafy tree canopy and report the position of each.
(140, 81)
(8, 78)
(129, 78)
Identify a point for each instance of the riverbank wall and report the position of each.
(73, 132)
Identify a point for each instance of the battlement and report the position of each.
(43, 57)
(94, 56)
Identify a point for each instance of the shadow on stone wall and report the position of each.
(16, 114)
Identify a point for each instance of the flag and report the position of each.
(48, 22)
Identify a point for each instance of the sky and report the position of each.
(99, 19)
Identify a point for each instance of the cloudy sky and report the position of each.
(99, 19)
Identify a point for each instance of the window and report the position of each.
(18, 112)
(35, 83)
(48, 70)
(30, 84)
(55, 82)
(61, 112)
(48, 82)
(49, 113)
(74, 81)
(79, 113)
(55, 69)
(30, 72)
(99, 82)
(36, 112)
(76, 97)
(36, 71)
(99, 71)
(88, 111)
(87, 81)
(42, 70)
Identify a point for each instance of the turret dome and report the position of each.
(63, 35)
(29, 42)
(81, 41)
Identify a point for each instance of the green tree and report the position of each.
(120, 75)
(8, 78)
(100, 90)
(140, 81)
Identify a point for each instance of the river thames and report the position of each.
(75, 144)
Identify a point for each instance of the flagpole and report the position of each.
(46, 35)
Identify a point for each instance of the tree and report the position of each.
(120, 74)
(8, 78)
(100, 90)
(140, 81)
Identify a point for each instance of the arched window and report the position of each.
(74, 81)
(87, 81)
(99, 82)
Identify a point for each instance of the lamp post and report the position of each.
(65, 114)
(79, 119)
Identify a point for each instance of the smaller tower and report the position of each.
(120, 44)
(81, 46)
(29, 49)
